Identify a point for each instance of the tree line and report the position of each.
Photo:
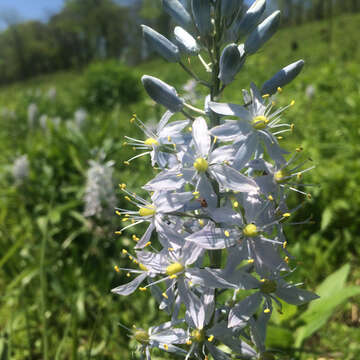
(87, 30)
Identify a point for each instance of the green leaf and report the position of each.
(278, 337)
(326, 218)
(288, 311)
(332, 294)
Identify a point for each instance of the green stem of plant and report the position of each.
(43, 285)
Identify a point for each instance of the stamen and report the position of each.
(211, 338)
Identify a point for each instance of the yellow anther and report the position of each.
(262, 280)
(170, 249)
(128, 274)
(169, 138)
(299, 149)
(174, 268)
(147, 211)
(134, 148)
(196, 193)
(201, 222)
(286, 215)
(292, 103)
(265, 96)
(266, 311)
(125, 219)
(284, 244)
(250, 230)
(151, 142)
(226, 233)
(164, 295)
(124, 143)
(130, 257)
(273, 103)
(226, 162)
(126, 163)
(116, 268)
(148, 244)
(292, 126)
(135, 238)
(188, 342)
(308, 196)
(173, 276)
(286, 259)
(118, 232)
(235, 204)
(211, 338)
(135, 261)
(142, 288)
(251, 261)
(174, 146)
(132, 221)
(124, 251)
(279, 89)
(270, 198)
(127, 198)
(166, 347)
(143, 267)
(132, 119)
(259, 122)
(117, 212)
(190, 283)
(190, 128)
(215, 139)
(299, 176)
(201, 164)
(122, 186)
(179, 175)
(279, 137)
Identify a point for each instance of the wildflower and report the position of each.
(20, 169)
(160, 142)
(254, 127)
(152, 212)
(99, 197)
(162, 337)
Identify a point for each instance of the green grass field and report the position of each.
(56, 265)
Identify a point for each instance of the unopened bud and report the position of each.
(162, 93)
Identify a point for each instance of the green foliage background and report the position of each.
(56, 266)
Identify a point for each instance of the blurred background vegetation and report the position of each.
(69, 88)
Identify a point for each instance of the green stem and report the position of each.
(43, 284)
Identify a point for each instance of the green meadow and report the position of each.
(57, 265)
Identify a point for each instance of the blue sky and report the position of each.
(31, 9)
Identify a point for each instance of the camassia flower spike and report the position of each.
(215, 253)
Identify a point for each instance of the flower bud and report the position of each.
(231, 60)
(249, 21)
(161, 44)
(162, 93)
(262, 33)
(202, 18)
(177, 11)
(283, 77)
(186, 42)
(229, 10)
